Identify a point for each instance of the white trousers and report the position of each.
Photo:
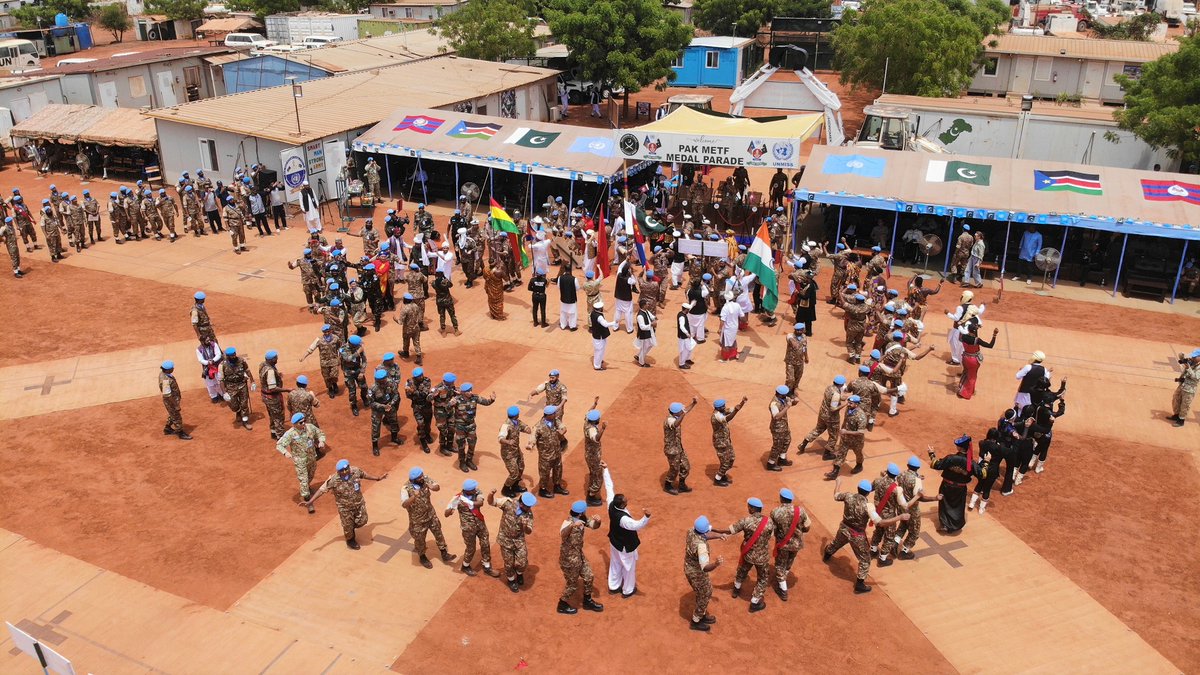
(676, 273)
(644, 350)
(1022, 399)
(622, 570)
(215, 388)
(954, 339)
(312, 218)
(685, 350)
(598, 349)
(589, 265)
(568, 315)
(624, 309)
(696, 324)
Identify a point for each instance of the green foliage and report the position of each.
(745, 17)
(177, 10)
(929, 47)
(115, 20)
(1162, 107)
(627, 43)
(492, 30)
(42, 15)
(262, 8)
(1138, 28)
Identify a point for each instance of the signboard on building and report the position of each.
(295, 172)
(315, 153)
(710, 150)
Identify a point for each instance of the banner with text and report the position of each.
(766, 152)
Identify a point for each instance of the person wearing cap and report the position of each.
(76, 221)
(568, 299)
(1029, 377)
(790, 522)
(573, 562)
(678, 466)
(855, 320)
(345, 484)
(133, 211)
(464, 408)
(356, 307)
(442, 397)
(550, 438)
(593, 455)
(444, 302)
(829, 417)
(722, 441)
(840, 259)
(8, 232)
(957, 471)
(1185, 393)
(645, 338)
(468, 503)
(169, 388)
(419, 390)
(962, 252)
(537, 289)
(510, 451)
(353, 359)
(912, 488)
(418, 288)
(601, 330)
(891, 368)
(697, 565)
(555, 391)
(732, 316)
(191, 200)
(210, 356)
(991, 453)
(416, 498)
(918, 296)
(311, 271)
(235, 221)
(972, 357)
(757, 529)
(648, 287)
(851, 436)
(889, 502)
(327, 345)
(625, 286)
(516, 522)
(383, 399)
(304, 444)
(870, 394)
(795, 357)
(311, 207)
(238, 382)
(683, 335)
(53, 229)
(303, 400)
(371, 177)
(165, 209)
(409, 318)
(781, 433)
(857, 512)
(272, 392)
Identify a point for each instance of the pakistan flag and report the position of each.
(963, 172)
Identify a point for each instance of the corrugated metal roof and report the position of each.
(418, 3)
(720, 42)
(10, 82)
(376, 52)
(1007, 107)
(337, 104)
(140, 58)
(70, 123)
(222, 59)
(1130, 51)
(231, 25)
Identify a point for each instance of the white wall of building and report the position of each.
(25, 100)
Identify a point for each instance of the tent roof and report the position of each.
(71, 123)
(684, 120)
(124, 127)
(901, 184)
(573, 153)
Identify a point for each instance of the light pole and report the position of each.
(297, 94)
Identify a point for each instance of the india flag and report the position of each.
(761, 262)
(504, 222)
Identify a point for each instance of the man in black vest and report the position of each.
(1030, 377)
(537, 286)
(600, 332)
(568, 299)
(622, 539)
(697, 295)
(684, 334)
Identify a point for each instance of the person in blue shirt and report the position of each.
(1031, 243)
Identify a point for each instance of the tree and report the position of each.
(262, 8)
(115, 20)
(926, 47)
(746, 17)
(42, 15)
(1162, 105)
(623, 43)
(1137, 28)
(492, 30)
(177, 10)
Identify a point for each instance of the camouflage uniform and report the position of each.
(201, 323)
(352, 509)
(383, 401)
(301, 400)
(474, 530)
(327, 347)
(870, 393)
(302, 444)
(962, 251)
(722, 441)
(695, 557)
(855, 421)
(310, 278)
(166, 212)
(235, 222)
(52, 228)
(856, 315)
(118, 219)
(910, 482)
(418, 391)
(191, 213)
(828, 417)
(411, 316)
(548, 437)
(511, 536)
(787, 547)
(336, 318)
(793, 360)
(510, 451)
(891, 509)
(169, 389)
(853, 530)
(781, 431)
(571, 561)
(418, 284)
(269, 377)
(592, 456)
(648, 294)
(236, 379)
(443, 396)
(444, 302)
(421, 517)
(759, 555)
(149, 215)
(678, 465)
(353, 362)
(91, 212)
(9, 234)
(1185, 393)
(464, 408)
(76, 220)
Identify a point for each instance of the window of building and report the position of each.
(137, 86)
(208, 154)
(990, 66)
(678, 62)
(1043, 69)
(712, 59)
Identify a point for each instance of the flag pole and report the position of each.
(949, 242)
(1120, 263)
(1061, 251)
(1179, 272)
(892, 248)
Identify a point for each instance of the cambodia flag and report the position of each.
(1169, 191)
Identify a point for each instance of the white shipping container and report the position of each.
(292, 28)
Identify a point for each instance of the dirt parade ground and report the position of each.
(130, 551)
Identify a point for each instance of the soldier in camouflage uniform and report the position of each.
(856, 316)
(851, 436)
(91, 211)
(77, 222)
(516, 522)
(410, 318)
(444, 301)
(464, 407)
(310, 276)
(148, 215)
(857, 511)
(52, 227)
(383, 401)
(556, 394)
(722, 441)
(648, 291)
(510, 451)
(335, 316)
(8, 232)
(235, 221)
(869, 392)
(442, 397)
(303, 443)
(238, 381)
(347, 492)
(354, 361)
(117, 218)
(327, 347)
(795, 358)
(912, 493)
(417, 388)
(356, 304)
(550, 437)
(696, 568)
(1185, 393)
(303, 400)
(781, 431)
(190, 204)
(829, 417)
(418, 288)
(272, 392)
(756, 529)
(167, 211)
(422, 519)
(889, 502)
(790, 522)
(169, 388)
(474, 529)
(573, 563)
(678, 466)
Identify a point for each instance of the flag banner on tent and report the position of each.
(760, 261)
(1067, 181)
(504, 222)
(420, 124)
(1169, 191)
(687, 136)
(532, 138)
(867, 167)
(465, 129)
(963, 172)
(600, 146)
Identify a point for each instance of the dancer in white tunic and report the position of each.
(622, 540)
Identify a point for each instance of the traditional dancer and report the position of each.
(972, 358)
(957, 471)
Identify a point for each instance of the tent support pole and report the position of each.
(1004, 256)
(795, 220)
(1120, 263)
(529, 207)
(491, 186)
(892, 248)
(421, 175)
(1062, 250)
(387, 170)
(838, 238)
(1179, 272)
(571, 197)
(457, 182)
(949, 243)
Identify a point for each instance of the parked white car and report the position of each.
(313, 41)
(247, 41)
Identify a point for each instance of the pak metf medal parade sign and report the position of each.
(710, 150)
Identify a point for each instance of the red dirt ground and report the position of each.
(1118, 525)
(206, 519)
(823, 623)
(150, 313)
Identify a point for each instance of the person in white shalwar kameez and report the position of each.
(646, 339)
(541, 251)
(622, 564)
(731, 315)
(445, 260)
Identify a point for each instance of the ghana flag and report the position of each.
(504, 222)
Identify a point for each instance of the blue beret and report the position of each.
(798, 326)
(554, 373)
(649, 274)
(385, 246)
(786, 494)
(852, 287)
(418, 372)
(449, 378)
(593, 416)
(579, 507)
(962, 440)
(389, 356)
(755, 502)
(876, 249)
(702, 525)
(272, 354)
(589, 274)
(342, 464)
(550, 410)
(303, 379)
(903, 311)
(168, 365)
(381, 374)
(719, 403)
(336, 302)
(841, 246)
(470, 485)
(1195, 354)
(415, 473)
(298, 417)
(676, 408)
(875, 354)
(783, 390)
(865, 485)
(864, 369)
(839, 380)
(355, 340)
(307, 251)
(859, 296)
(898, 335)
(892, 293)
(199, 295)
(966, 228)
(892, 469)
(914, 463)
(369, 266)
(514, 411)
(528, 500)
(855, 398)
(467, 387)
(408, 296)
(230, 351)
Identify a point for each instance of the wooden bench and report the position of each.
(986, 267)
(1151, 287)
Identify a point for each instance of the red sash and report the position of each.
(762, 525)
(791, 529)
(474, 509)
(883, 502)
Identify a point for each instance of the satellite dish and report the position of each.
(931, 245)
(1047, 260)
(470, 191)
